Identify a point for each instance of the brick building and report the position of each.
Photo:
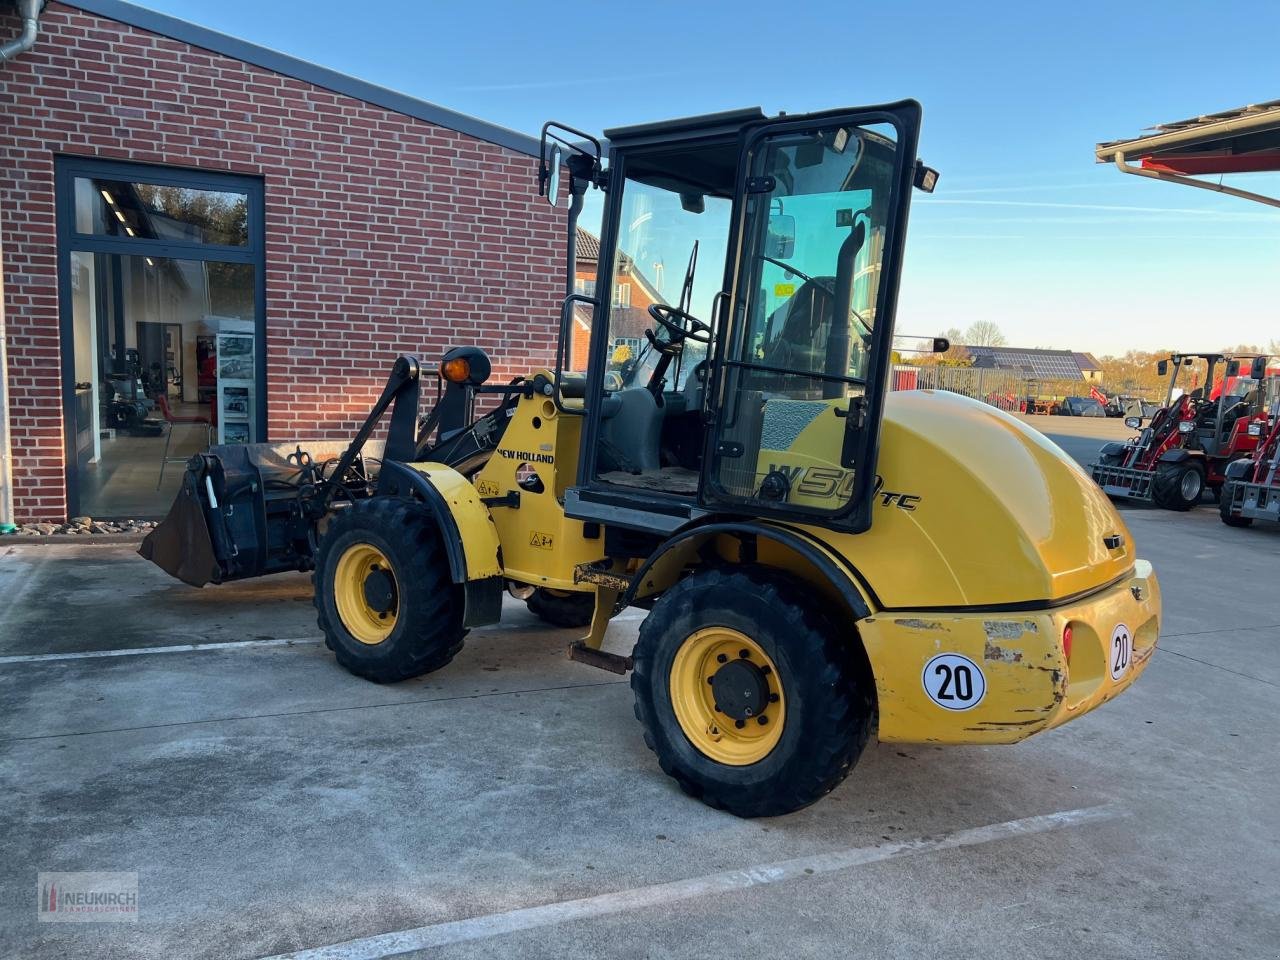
(201, 238)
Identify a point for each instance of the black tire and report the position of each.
(428, 606)
(1171, 487)
(562, 609)
(1224, 507)
(825, 680)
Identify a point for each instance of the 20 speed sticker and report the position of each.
(1121, 651)
(954, 682)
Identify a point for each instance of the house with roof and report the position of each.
(1035, 363)
(201, 236)
(633, 294)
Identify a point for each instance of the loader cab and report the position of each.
(742, 317)
(1223, 390)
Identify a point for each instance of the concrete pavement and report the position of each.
(271, 802)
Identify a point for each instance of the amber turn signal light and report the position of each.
(457, 370)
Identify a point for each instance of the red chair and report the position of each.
(162, 401)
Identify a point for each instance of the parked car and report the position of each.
(1080, 407)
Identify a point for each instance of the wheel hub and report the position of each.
(741, 689)
(380, 590)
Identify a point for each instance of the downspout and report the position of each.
(1168, 177)
(29, 10)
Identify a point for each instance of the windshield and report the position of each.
(657, 231)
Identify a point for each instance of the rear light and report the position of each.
(1066, 641)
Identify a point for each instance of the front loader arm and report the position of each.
(248, 510)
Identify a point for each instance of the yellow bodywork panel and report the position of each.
(972, 506)
(540, 546)
(999, 677)
(476, 529)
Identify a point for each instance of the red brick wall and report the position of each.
(384, 233)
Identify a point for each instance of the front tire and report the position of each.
(385, 600)
(1178, 486)
(752, 700)
(1224, 507)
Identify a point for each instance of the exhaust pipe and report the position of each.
(29, 10)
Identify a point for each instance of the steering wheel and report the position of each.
(681, 323)
(792, 270)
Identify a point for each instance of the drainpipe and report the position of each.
(29, 10)
(1168, 177)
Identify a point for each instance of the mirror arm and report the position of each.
(575, 208)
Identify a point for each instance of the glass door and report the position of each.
(161, 300)
(821, 208)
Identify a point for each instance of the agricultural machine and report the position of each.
(1252, 487)
(1190, 440)
(819, 558)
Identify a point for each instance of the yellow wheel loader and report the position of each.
(820, 559)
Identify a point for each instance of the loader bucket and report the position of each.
(240, 512)
(180, 545)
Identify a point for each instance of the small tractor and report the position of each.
(820, 559)
(1251, 490)
(1190, 440)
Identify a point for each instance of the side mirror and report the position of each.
(780, 240)
(941, 344)
(1162, 368)
(1233, 368)
(1258, 369)
(553, 174)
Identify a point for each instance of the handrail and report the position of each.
(566, 321)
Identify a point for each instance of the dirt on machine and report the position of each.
(820, 560)
(1212, 415)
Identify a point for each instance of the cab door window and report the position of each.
(819, 206)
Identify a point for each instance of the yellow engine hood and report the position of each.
(1003, 515)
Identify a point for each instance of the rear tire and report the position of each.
(1178, 486)
(562, 609)
(808, 681)
(1224, 507)
(385, 599)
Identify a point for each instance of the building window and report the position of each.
(622, 295)
(584, 287)
(162, 327)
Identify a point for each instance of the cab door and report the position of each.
(802, 359)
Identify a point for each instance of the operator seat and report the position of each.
(800, 343)
(632, 432)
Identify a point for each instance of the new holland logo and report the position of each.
(526, 457)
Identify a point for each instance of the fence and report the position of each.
(1000, 388)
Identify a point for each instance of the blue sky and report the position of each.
(1025, 229)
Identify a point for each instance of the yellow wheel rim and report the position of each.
(367, 622)
(720, 662)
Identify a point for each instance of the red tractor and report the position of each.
(1252, 488)
(1192, 438)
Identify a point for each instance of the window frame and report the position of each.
(67, 168)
